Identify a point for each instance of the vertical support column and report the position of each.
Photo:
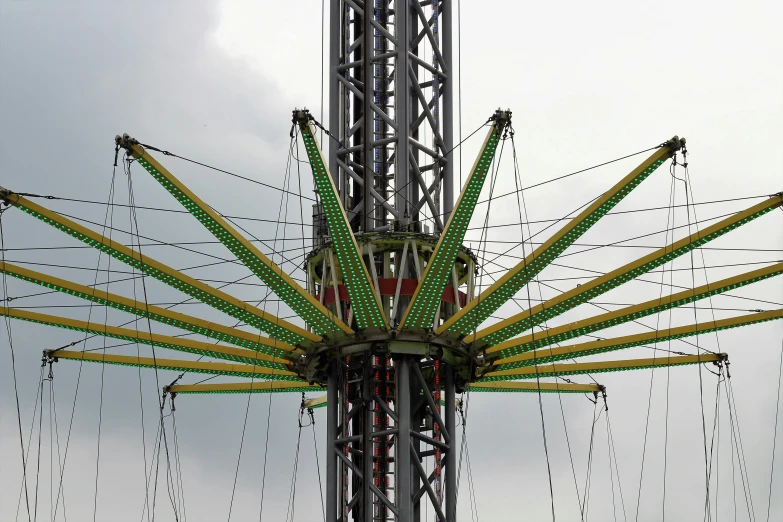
(335, 107)
(367, 438)
(402, 449)
(447, 106)
(451, 454)
(402, 112)
(368, 79)
(332, 476)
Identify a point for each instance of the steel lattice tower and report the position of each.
(390, 85)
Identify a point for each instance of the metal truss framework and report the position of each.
(389, 309)
(390, 98)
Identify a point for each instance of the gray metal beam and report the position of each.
(402, 444)
(332, 407)
(451, 455)
(402, 99)
(447, 111)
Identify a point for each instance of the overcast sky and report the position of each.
(215, 81)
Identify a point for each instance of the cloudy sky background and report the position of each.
(215, 81)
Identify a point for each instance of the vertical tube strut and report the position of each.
(332, 475)
(402, 452)
(451, 454)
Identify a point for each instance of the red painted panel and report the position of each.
(388, 286)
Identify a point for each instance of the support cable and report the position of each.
(529, 304)
(744, 463)
(141, 393)
(715, 430)
(60, 462)
(463, 413)
(738, 447)
(171, 154)
(26, 454)
(669, 221)
(60, 490)
(577, 172)
(289, 515)
(178, 463)
(609, 458)
(260, 220)
(413, 180)
(103, 364)
(161, 401)
(616, 469)
(775, 432)
(13, 368)
(51, 450)
(157, 209)
(38, 457)
(672, 172)
(696, 322)
(522, 204)
(732, 447)
(281, 217)
(617, 212)
(589, 474)
(318, 465)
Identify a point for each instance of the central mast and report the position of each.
(390, 112)
(390, 106)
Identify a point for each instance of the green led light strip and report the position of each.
(273, 347)
(215, 298)
(479, 309)
(297, 389)
(425, 301)
(570, 331)
(239, 355)
(609, 345)
(365, 303)
(210, 368)
(290, 292)
(561, 370)
(526, 319)
(485, 386)
(247, 387)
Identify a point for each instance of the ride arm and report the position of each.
(229, 353)
(315, 402)
(249, 340)
(247, 387)
(561, 370)
(365, 302)
(479, 309)
(290, 292)
(548, 355)
(533, 387)
(424, 303)
(585, 326)
(215, 298)
(211, 368)
(566, 301)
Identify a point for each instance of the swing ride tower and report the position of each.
(391, 320)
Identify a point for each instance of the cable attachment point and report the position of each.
(125, 142)
(302, 410)
(302, 117)
(674, 144)
(603, 395)
(501, 118)
(725, 360)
